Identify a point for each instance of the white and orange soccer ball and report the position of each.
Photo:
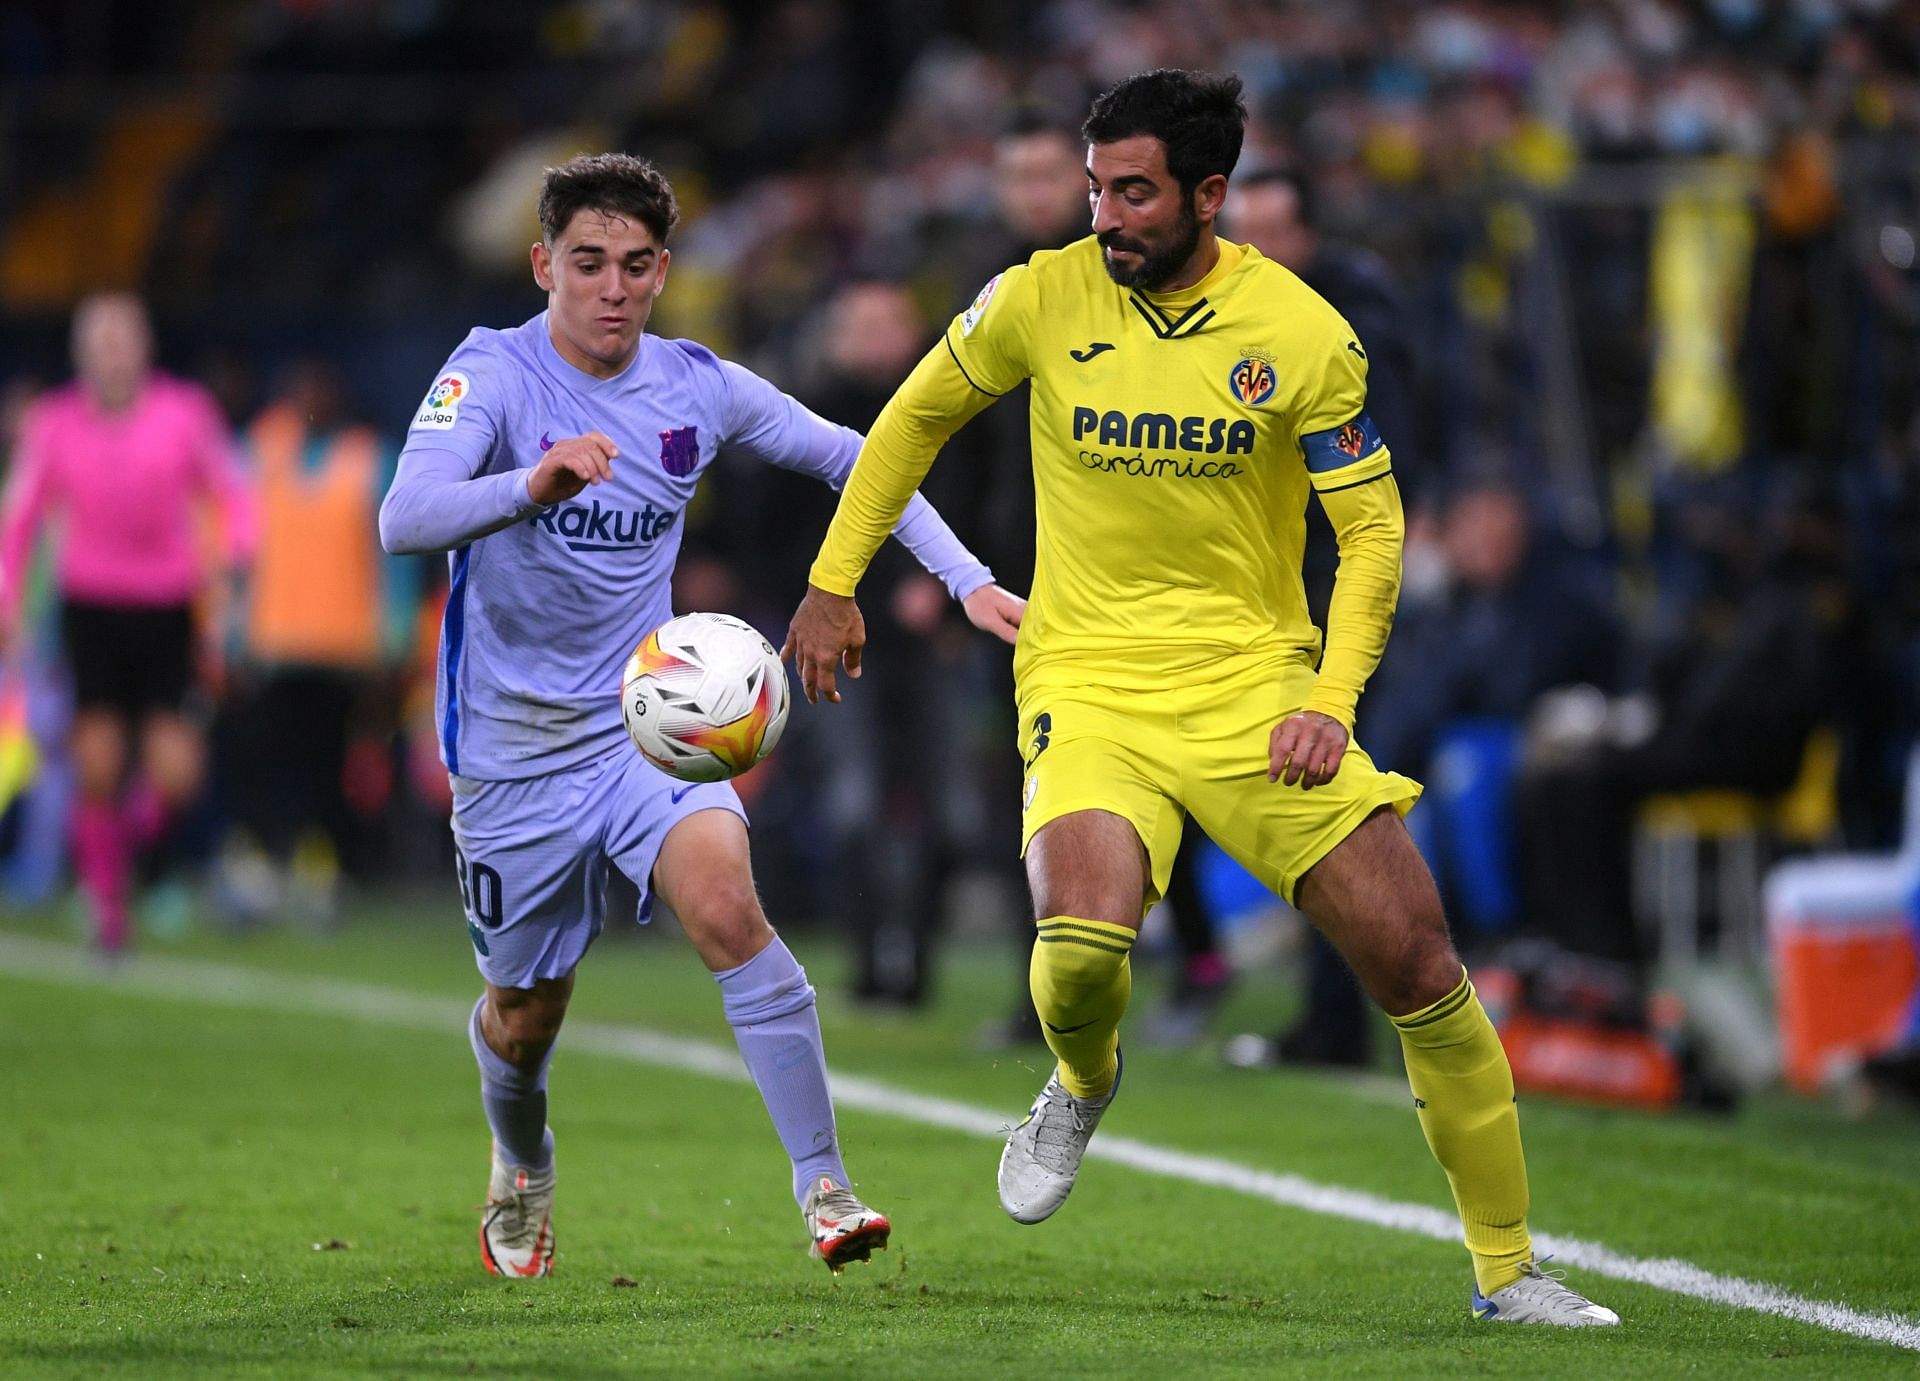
(705, 697)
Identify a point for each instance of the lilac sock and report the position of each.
(515, 1100)
(769, 1004)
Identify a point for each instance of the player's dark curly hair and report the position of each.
(1200, 118)
(618, 183)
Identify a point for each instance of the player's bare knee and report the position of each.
(526, 1052)
(1090, 903)
(727, 926)
(1090, 865)
(1426, 966)
(528, 1026)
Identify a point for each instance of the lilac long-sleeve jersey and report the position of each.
(546, 604)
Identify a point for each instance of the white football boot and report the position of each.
(1539, 1297)
(516, 1225)
(841, 1228)
(1043, 1153)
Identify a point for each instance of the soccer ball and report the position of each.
(704, 697)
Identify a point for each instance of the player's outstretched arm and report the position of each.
(778, 429)
(827, 633)
(928, 408)
(933, 402)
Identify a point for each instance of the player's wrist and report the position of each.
(524, 489)
(1341, 715)
(965, 586)
(836, 605)
(827, 585)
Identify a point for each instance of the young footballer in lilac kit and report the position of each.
(552, 462)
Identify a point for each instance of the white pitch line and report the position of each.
(227, 985)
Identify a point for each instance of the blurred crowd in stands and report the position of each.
(1639, 279)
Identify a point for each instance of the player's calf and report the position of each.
(1081, 983)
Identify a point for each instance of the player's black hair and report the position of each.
(1305, 208)
(618, 183)
(1200, 118)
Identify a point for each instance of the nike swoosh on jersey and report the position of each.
(676, 795)
(545, 443)
(1094, 349)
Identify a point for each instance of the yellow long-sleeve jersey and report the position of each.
(1175, 437)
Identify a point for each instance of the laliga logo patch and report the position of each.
(971, 317)
(1253, 380)
(442, 406)
(1033, 789)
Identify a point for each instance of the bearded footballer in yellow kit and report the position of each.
(1187, 393)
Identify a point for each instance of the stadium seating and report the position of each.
(1676, 832)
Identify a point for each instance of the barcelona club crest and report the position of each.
(679, 450)
(1253, 380)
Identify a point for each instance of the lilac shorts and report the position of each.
(533, 856)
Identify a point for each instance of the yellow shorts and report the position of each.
(1201, 750)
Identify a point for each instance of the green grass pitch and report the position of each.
(197, 1189)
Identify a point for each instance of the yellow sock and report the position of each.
(1081, 982)
(1463, 1090)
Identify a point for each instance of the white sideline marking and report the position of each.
(228, 985)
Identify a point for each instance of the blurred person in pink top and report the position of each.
(123, 459)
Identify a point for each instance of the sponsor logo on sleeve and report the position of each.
(441, 408)
(971, 317)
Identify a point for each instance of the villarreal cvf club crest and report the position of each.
(1253, 380)
(1351, 439)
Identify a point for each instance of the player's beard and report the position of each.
(1157, 266)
